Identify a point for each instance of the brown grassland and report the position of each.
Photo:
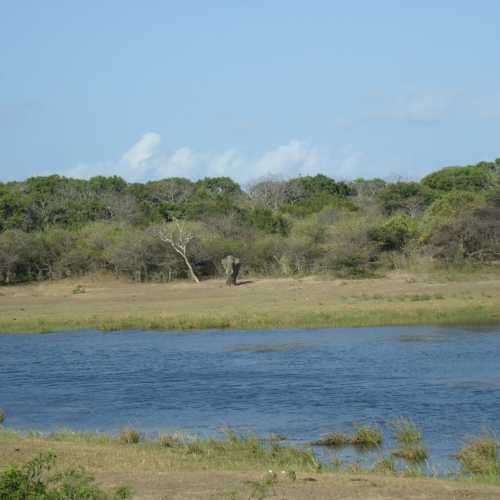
(109, 304)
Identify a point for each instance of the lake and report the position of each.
(298, 383)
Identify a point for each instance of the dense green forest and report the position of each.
(54, 227)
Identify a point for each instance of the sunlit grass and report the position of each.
(262, 304)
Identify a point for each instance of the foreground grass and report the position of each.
(107, 305)
(235, 467)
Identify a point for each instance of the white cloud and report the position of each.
(142, 150)
(144, 161)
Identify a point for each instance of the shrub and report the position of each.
(395, 232)
(128, 435)
(469, 178)
(32, 481)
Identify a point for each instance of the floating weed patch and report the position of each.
(413, 453)
(367, 437)
(335, 439)
(364, 437)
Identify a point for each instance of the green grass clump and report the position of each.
(367, 437)
(406, 432)
(364, 437)
(409, 438)
(235, 450)
(412, 453)
(128, 435)
(2, 416)
(385, 465)
(480, 456)
(34, 481)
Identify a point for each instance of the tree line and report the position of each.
(54, 227)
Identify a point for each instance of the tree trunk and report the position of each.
(191, 272)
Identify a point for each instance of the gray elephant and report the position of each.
(232, 267)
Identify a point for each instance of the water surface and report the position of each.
(298, 383)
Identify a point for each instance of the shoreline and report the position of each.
(109, 305)
(220, 469)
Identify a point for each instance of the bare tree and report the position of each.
(269, 193)
(179, 239)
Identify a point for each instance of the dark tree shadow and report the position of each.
(247, 282)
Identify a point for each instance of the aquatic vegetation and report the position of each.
(412, 453)
(364, 437)
(334, 439)
(2, 416)
(409, 438)
(479, 456)
(406, 431)
(129, 435)
(367, 437)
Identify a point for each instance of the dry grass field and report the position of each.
(110, 304)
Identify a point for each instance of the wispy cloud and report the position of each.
(419, 107)
(144, 161)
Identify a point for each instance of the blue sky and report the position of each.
(247, 89)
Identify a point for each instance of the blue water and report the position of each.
(299, 383)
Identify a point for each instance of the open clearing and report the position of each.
(109, 304)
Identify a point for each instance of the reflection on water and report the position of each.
(301, 384)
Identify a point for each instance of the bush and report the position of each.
(470, 178)
(33, 481)
(394, 233)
